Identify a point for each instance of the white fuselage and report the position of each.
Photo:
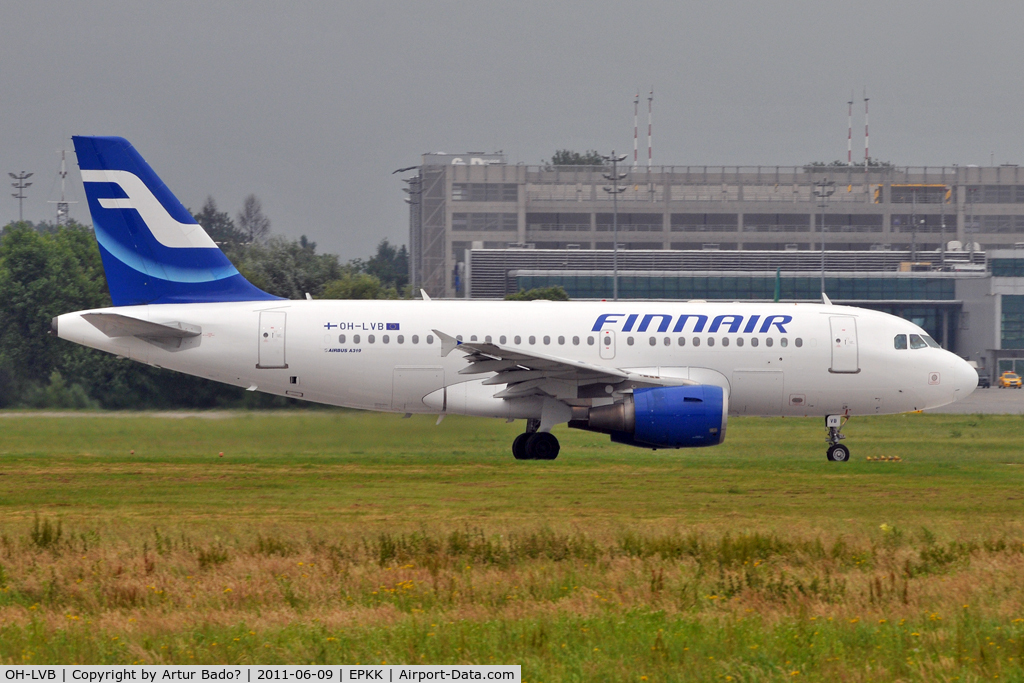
(385, 355)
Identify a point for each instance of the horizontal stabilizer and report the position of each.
(116, 325)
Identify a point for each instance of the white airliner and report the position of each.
(650, 374)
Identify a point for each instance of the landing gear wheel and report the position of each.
(542, 446)
(838, 453)
(519, 447)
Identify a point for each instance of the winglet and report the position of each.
(448, 343)
(825, 300)
(423, 293)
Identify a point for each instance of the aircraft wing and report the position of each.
(526, 372)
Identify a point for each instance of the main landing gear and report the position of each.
(535, 445)
(836, 452)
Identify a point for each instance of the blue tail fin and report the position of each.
(153, 251)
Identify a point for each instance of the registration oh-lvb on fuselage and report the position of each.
(649, 374)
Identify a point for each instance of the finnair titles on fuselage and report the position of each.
(655, 375)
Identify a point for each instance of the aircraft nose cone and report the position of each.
(965, 379)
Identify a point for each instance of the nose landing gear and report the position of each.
(535, 445)
(836, 452)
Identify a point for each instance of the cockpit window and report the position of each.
(900, 341)
(916, 342)
(931, 342)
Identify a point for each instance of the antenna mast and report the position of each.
(63, 206)
(636, 131)
(866, 138)
(650, 99)
(849, 131)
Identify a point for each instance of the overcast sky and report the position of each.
(312, 105)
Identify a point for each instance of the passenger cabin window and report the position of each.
(430, 339)
(341, 339)
(590, 341)
(900, 341)
(518, 340)
(501, 339)
(916, 342)
(415, 339)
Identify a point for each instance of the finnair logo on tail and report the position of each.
(167, 231)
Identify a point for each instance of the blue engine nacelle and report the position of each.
(664, 417)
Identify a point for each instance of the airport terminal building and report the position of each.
(933, 244)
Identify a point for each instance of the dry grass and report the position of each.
(166, 597)
(609, 564)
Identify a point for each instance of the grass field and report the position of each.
(345, 537)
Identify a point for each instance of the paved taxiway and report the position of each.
(991, 401)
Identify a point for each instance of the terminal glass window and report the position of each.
(852, 222)
(704, 222)
(995, 194)
(776, 222)
(484, 222)
(558, 222)
(1012, 323)
(1008, 267)
(920, 194)
(746, 287)
(630, 222)
(930, 223)
(485, 192)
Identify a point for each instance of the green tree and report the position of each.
(565, 157)
(47, 270)
(553, 293)
(219, 226)
(390, 265)
(287, 268)
(354, 285)
(251, 220)
(41, 276)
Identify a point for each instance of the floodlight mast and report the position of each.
(615, 190)
(19, 184)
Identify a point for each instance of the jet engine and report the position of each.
(664, 417)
